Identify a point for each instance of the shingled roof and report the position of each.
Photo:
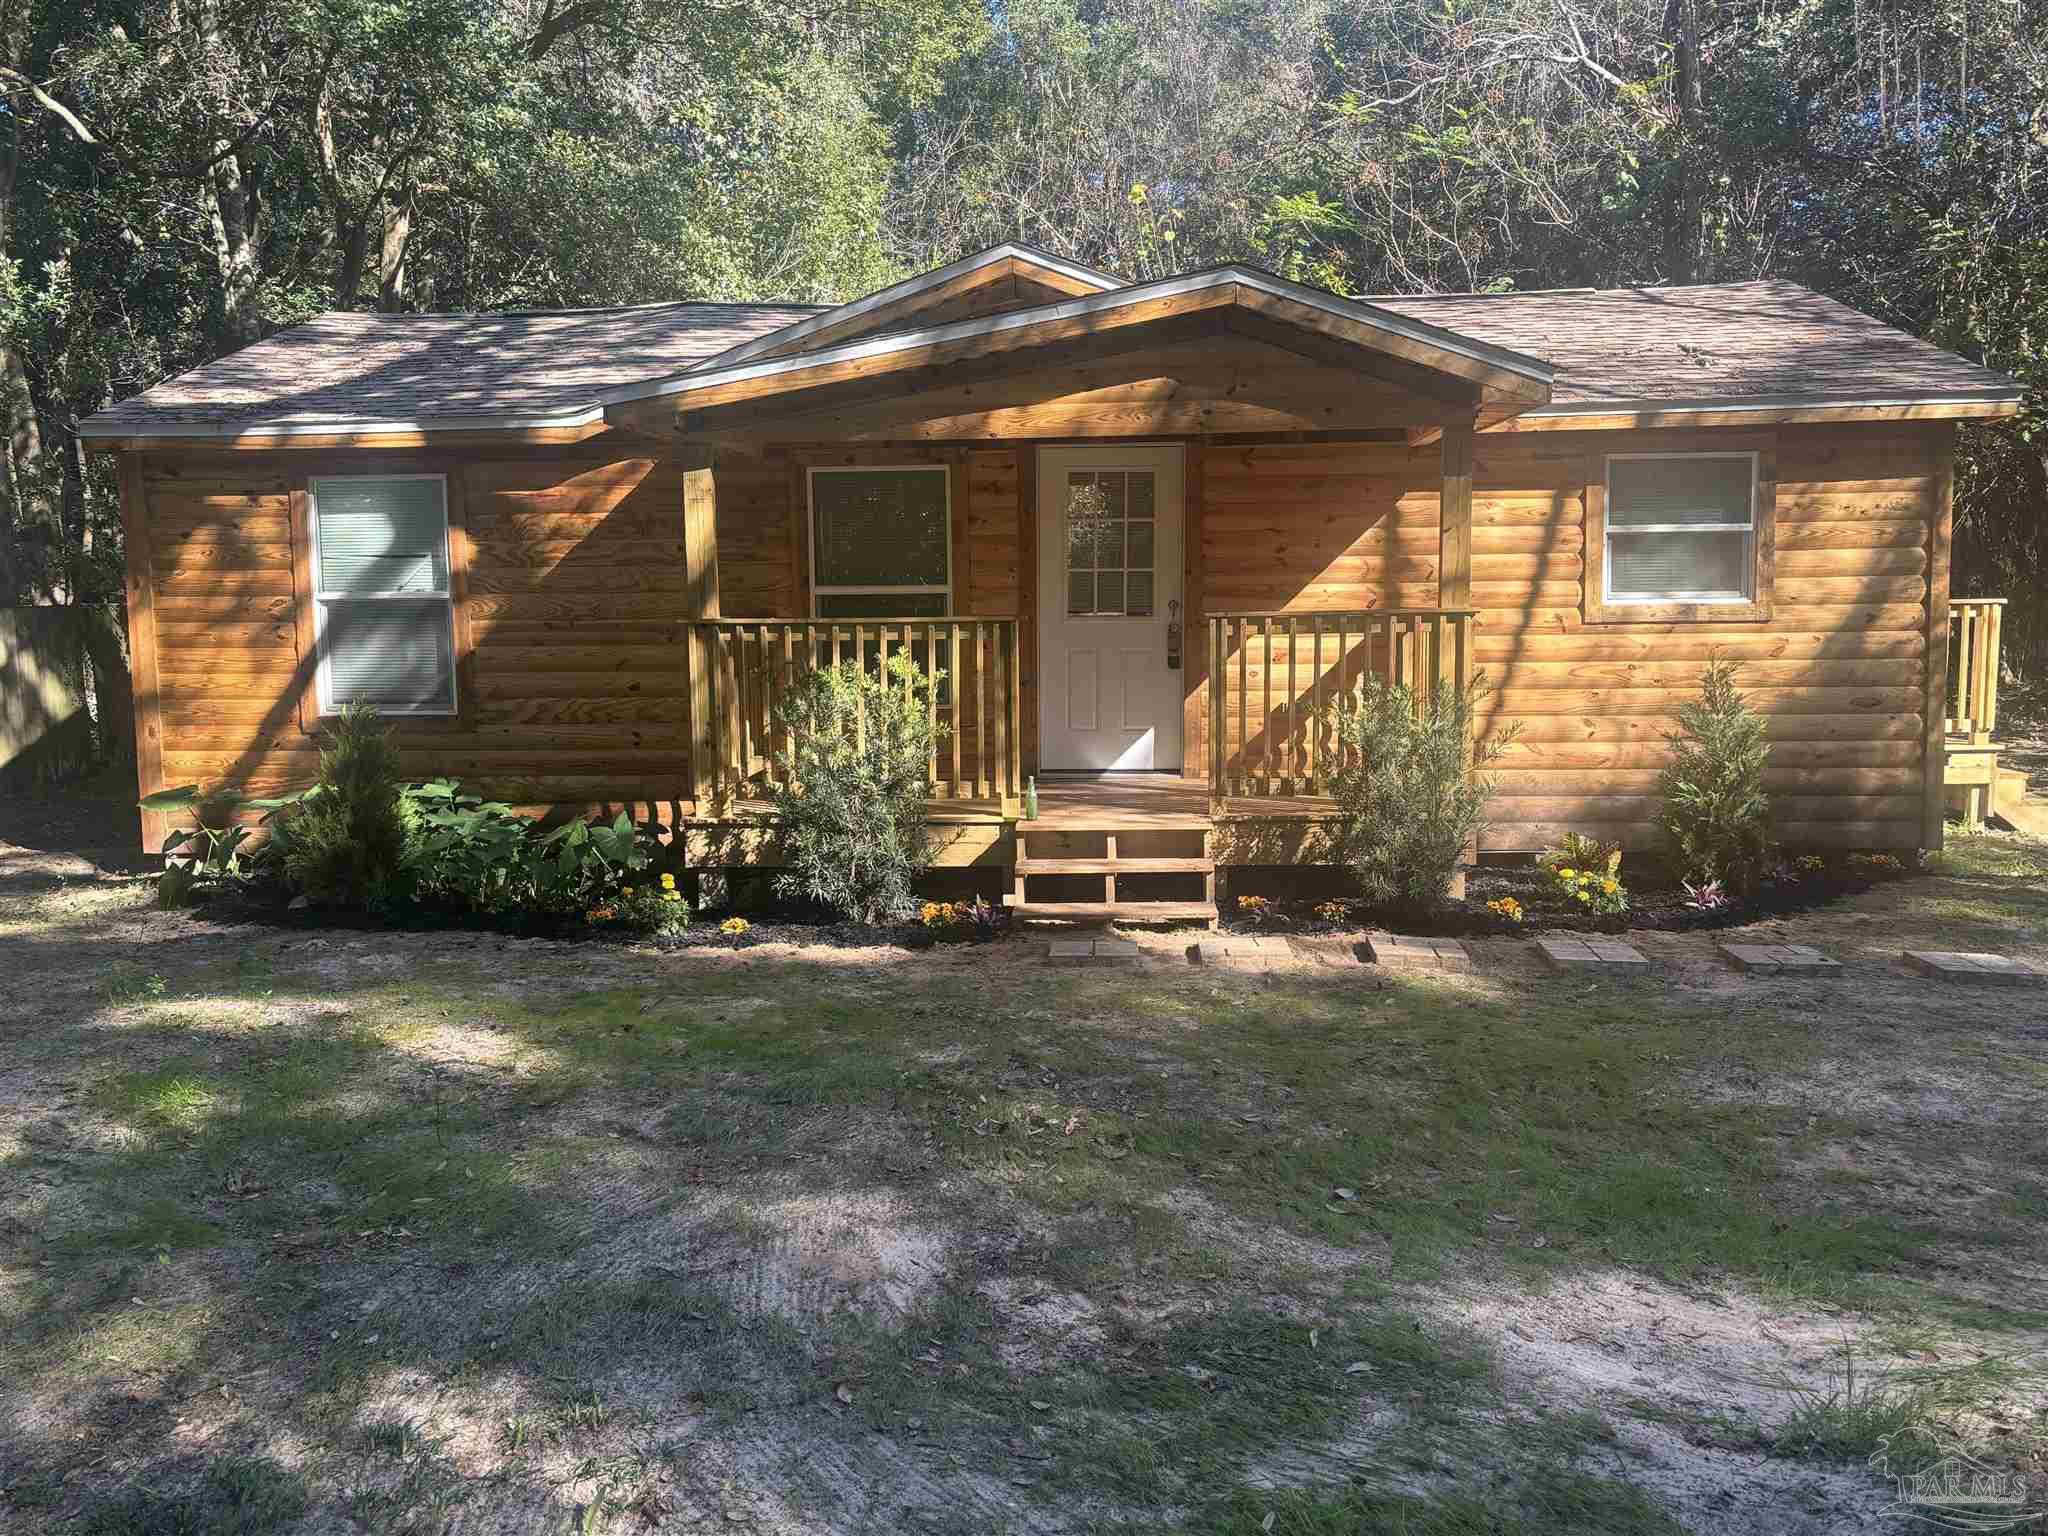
(1722, 344)
(1717, 343)
(518, 368)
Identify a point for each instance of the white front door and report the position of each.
(1109, 545)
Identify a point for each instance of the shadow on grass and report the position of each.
(338, 1197)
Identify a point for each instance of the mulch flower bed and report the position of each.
(1655, 904)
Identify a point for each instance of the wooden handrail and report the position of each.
(754, 662)
(1974, 631)
(1285, 748)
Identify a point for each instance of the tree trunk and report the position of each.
(1682, 210)
(232, 206)
(397, 238)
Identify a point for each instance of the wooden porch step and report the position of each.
(1116, 866)
(1111, 911)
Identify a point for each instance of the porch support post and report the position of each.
(1454, 518)
(1934, 677)
(700, 602)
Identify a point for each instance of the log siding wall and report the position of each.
(575, 693)
(1838, 667)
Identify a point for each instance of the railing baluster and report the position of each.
(980, 716)
(1987, 720)
(1293, 712)
(1243, 776)
(931, 696)
(1016, 708)
(999, 760)
(959, 791)
(1266, 706)
(1315, 709)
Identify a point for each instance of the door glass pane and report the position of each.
(1111, 542)
(881, 605)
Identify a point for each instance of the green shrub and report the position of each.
(345, 844)
(217, 849)
(853, 786)
(1716, 813)
(1408, 787)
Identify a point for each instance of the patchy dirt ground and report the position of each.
(334, 1231)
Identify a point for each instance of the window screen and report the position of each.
(880, 542)
(1111, 536)
(381, 592)
(1681, 528)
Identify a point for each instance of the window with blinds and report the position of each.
(1111, 524)
(381, 593)
(1681, 528)
(881, 542)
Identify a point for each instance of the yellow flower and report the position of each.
(1568, 874)
(627, 891)
(668, 882)
(1610, 886)
(734, 926)
(671, 895)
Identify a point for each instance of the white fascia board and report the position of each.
(909, 288)
(578, 416)
(2004, 394)
(1095, 304)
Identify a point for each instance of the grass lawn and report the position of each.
(326, 1231)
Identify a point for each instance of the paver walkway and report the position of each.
(1984, 970)
(1398, 951)
(1773, 959)
(1608, 954)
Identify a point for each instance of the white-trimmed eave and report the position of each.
(2001, 394)
(872, 347)
(857, 309)
(590, 415)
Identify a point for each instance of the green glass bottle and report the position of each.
(1031, 798)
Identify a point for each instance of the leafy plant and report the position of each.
(657, 909)
(1507, 907)
(1594, 890)
(967, 922)
(735, 928)
(1708, 896)
(211, 851)
(850, 798)
(344, 844)
(1716, 813)
(468, 852)
(1257, 909)
(1409, 787)
(1579, 852)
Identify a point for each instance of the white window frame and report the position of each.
(446, 597)
(1748, 595)
(822, 590)
(1067, 545)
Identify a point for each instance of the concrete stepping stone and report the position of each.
(1601, 954)
(1774, 959)
(1105, 952)
(1400, 952)
(1242, 951)
(1984, 970)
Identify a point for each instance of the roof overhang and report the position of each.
(749, 394)
(1760, 410)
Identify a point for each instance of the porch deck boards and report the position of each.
(1156, 801)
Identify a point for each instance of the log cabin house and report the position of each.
(1147, 529)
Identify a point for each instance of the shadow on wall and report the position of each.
(63, 694)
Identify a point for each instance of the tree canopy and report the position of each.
(178, 177)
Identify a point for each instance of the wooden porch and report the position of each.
(1132, 846)
(1971, 774)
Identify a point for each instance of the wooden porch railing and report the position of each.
(1973, 634)
(1271, 675)
(754, 662)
